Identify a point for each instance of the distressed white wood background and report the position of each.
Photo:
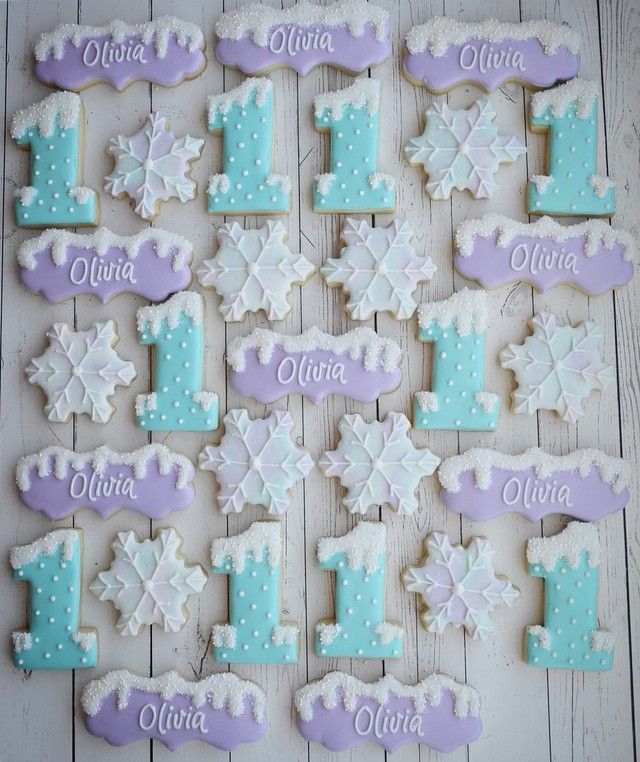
(529, 714)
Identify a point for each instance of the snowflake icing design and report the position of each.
(79, 370)
(148, 582)
(459, 586)
(462, 149)
(379, 269)
(152, 166)
(256, 462)
(254, 270)
(557, 368)
(378, 463)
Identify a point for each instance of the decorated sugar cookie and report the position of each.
(341, 712)
(483, 483)
(462, 149)
(79, 371)
(52, 131)
(222, 710)
(458, 401)
(254, 634)
(177, 402)
(353, 182)
(52, 565)
(268, 366)
(569, 114)
(459, 586)
(247, 185)
(591, 256)
(377, 463)
(446, 52)
(569, 638)
(352, 35)
(164, 51)
(149, 582)
(557, 367)
(152, 480)
(379, 269)
(254, 270)
(152, 166)
(60, 265)
(360, 630)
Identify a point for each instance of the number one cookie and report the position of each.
(52, 567)
(458, 401)
(570, 638)
(51, 130)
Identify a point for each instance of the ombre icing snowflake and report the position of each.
(378, 463)
(557, 368)
(152, 166)
(379, 269)
(459, 586)
(256, 462)
(462, 149)
(79, 371)
(254, 270)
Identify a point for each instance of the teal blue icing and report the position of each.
(458, 375)
(54, 172)
(570, 618)
(571, 161)
(354, 159)
(247, 132)
(54, 602)
(254, 613)
(359, 609)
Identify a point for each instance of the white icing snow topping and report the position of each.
(427, 402)
(581, 93)
(26, 194)
(60, 241)
(257, 20)
(570, 544)
(339, 689)
(189, 303)
(601, 640)
(224, 690)
(388, 631)
(22, 641)
(362, 94)
(224, 636)
(146, 402)
(262, 537)
(613, 471)
(598, 234)
(253, 87)
(601, 184)
(359, 343)
(21, 555)
(324, 182)
(205, 400)
(284, 634)
(542, 183)
(486, 400)
(466, 309)
(218, 183)
(362, 546)
(58, 460)
(327, 632)
(81, 194)
(158, 32)
(86, 640)
(440, 33)
(379, 178)
(61, 107)
(543, 635)
(282, 180)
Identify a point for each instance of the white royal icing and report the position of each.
(263, 538)
(581, 92)
(239, 96)
(543, 635)
(363, 93)
(466, 309)
(362, 546)
(602, 640)
(601, 185)
(63, 107)
(27, 195)
(22, 641)
(570, 544)
(327, 632)
(189, 303)
(21, 555)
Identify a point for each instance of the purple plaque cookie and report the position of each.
(61, 265)
(590, 256)
(586, 484)
(350, 34)
(165, 51)
(222, 710)
(359, 365)
(444, 53)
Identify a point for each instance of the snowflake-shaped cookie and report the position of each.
(462, 149)
(254, 270)
(378, 463)
(459, 586)
(148, 582)
(152, 166)
(379, 269)
(79, 370)
(557, 368)
(256, 462)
